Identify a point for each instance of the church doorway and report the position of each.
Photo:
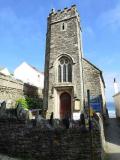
(65, 105)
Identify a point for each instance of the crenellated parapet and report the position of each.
(62, 15)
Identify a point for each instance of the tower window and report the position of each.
(65, 70)
(63, 26)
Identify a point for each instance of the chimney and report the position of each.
(116, 86)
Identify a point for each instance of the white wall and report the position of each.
(29, 75)
(117, 104)
(5, 72)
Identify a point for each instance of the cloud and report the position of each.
(110, 18)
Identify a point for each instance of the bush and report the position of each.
(34, 103)
(30, 103)
(23, 102)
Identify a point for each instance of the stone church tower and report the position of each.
(63, 86)
(63, 63)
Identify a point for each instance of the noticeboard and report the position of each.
(96, 107)
(95, 104)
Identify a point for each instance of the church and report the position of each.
(68, 75)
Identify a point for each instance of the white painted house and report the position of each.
(5, 71)
(29, 74)
(117, 98)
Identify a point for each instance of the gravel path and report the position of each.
(112, 134)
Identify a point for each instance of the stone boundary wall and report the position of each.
(29, 142)
(101, 123)
(12, 89)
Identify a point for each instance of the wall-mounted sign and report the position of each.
(77, 105)
(95, 103)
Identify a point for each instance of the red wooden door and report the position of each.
(65, 105)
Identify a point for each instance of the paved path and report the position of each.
(112, 134)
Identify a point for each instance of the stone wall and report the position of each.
(12, 89)
(19, 140)
(94, 82)
(91, 79)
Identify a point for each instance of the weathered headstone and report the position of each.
(22, 114)
(42, 123)
(51, 119)
(3, 109)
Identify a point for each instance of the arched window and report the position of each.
(64, 70)
(64, 73)
(59, 71)
(69, 73)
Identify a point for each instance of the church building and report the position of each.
(68, 75)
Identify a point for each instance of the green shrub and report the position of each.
(30, 103)
(23, 102)
(33, 103)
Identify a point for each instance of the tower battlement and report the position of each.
(64, 14)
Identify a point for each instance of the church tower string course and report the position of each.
(64, 75)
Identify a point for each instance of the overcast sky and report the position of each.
(23, 31)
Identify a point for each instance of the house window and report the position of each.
(65, 70)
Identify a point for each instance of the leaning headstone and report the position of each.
(22, 114)
(9, 104)
(57, 123)
(66, 121)
(3, 109)
(18, 110)
(42, 123)
(30, 115)
(51, 119)
(82, 125)
(11, 113)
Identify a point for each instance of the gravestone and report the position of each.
(3, 109)
(22, 114)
